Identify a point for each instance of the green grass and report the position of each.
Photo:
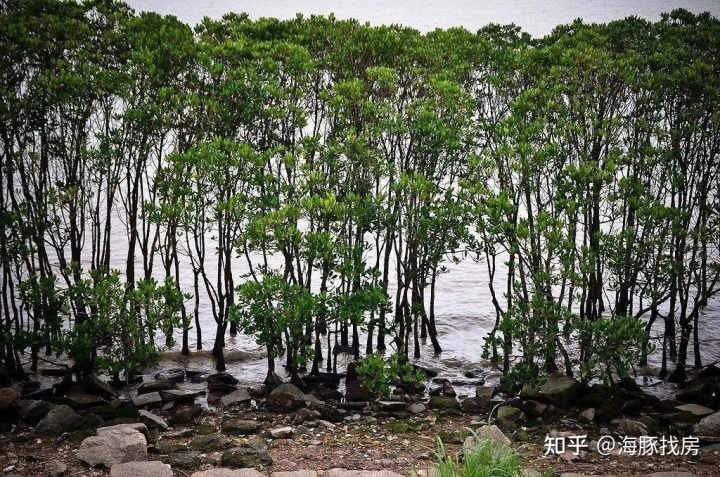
(491, 458)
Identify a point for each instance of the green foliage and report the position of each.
(380, 374)
(491, 458)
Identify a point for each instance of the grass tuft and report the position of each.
(491, 458)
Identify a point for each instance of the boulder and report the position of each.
(222, 382)
(94, 385)
(176, 375)
(149, 400)
(153, 468)
(508, 414)
(702, 393)
(33, 411)
(282, 403)
(444, 403)
(448, 390)
(475, 405)
(59, 420)
(241, 396)
(113, 446)
(355, 391)
(153, 421)
(709, 426)
(141, 428)
(491, 432)
(558, 390)
(156, 386)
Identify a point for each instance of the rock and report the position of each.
(221, 381)
(56, 469)
(229, 473)
(241, 396)
(290, 389)
(178, 396)
(281, 403)
(240, 426)
(435, 391)
(156, 386)
(558, 390)
(671, 474)
(629, 427)
(33, 411)
(185, 414)
(153, 468)
(182, 460)
(328, 413)
(533, 409)
(709, 426)
(587, 416)
(711, 371)
(306, 414)
(167, 448)
(79, 399)
(246, 456)
(355, 391)
(196, 375)
(176, 375)
(699, 393)
(695, 409)
(282, 433)
(475, 405)
(153, 421)
(444, 403)
(417, 408)
(492, 432)
(391, 406)
(59, 420)
(448, 390)
(113, 446)
(149, 400)
(141, 428)
(612, 409)
(8, 398)
(209, 443)
(508, 414)
(94, 385)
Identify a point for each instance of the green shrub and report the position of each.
(491, 458)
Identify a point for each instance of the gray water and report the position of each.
(464, 309)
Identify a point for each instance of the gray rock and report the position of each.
(33, 411)
(282, 433)
(709, 426)
(151, 399)
(153, 468)
(56, 469)
(281, 403)
(241, 426)
(176, 375)
(182, 460)
(153, 421)
(117, 445)
(443, 403)
(229, 473)
(156, 386)
(211, 442)
(417, 408)
(695, 409)
(59, 420)
(138, 426)
(246, 456)
(533, 409)
(94, 385)
(508, 414)
(82, 400)
(448, 390)
(178, 396)
(241, 396)
(304, 415)
(492, 432)
(629, 427)
(671, 474)
(185, 414)
(559, 390)
(587, 415)
(390, 406)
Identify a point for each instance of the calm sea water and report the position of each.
(537, 17)
(464, 309)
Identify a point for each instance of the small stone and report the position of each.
(282, 433)
(240, 426)
(587, 416)
(141, 469)
(151, 399)
(241, 396)
(417, 408)
(152, 420)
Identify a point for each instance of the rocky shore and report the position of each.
(160, 428)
